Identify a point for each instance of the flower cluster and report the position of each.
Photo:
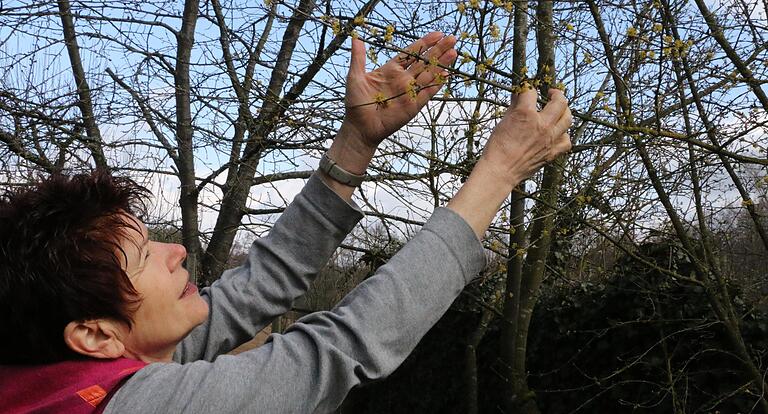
(388, 33)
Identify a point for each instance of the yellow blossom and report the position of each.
(497, 3)
(390, 30)
(463, 35)
(373, 56)
(508, 6)
(494, 31)
(481, 68)
(461, 7)
(359, 20)
(588, 58)
(747, 202)
(652, 54)
(336, 26)
(380, 99)
(569, 27)
(475, 4)
(631, 32)
(657, 28)
(412, 89)
(465, 57)
(374, 31)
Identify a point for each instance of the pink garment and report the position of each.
(76, 387)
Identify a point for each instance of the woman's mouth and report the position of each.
(189, 289)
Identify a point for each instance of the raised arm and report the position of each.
(319, 359)
(280, 266)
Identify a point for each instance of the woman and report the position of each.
(98, 318)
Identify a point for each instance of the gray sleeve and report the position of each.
(277, 270)
(312, 367)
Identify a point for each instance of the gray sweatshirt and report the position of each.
(312, 366)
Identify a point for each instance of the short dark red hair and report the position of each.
(61, 260)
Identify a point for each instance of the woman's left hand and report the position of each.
(380, 102)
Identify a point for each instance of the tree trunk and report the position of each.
(83, 90)
(470, 358)
(186, 164)
(509, 322)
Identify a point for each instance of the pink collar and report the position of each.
(77, 387)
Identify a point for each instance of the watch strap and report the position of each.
(339, 174)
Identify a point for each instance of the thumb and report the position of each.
(357, 62)
(513, 101)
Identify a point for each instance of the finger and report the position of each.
(556, 106)
(415, 48)
(357, 61)
(513, 101)
(428, 91)
(426, 94)
(426, 77)
(565, 121)
(433, 54)
(554, 91)
(527, 98)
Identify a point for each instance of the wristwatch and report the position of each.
(339, 174)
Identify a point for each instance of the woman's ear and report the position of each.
(94, 338)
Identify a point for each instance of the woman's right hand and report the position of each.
(521, 143)
(526, 139)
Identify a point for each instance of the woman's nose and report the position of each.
(176, 256)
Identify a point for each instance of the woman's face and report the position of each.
(170, 306)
